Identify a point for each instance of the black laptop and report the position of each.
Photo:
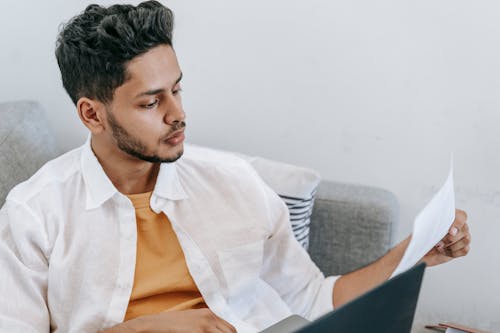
(389, 307)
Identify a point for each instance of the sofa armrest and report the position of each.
(351, 226)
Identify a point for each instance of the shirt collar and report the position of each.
(100, 188)
(168, 184)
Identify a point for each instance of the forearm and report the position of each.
(353, 284)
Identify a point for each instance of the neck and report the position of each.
(127, 173)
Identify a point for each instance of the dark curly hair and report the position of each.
(93, 48)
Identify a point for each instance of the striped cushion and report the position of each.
(300, 216)
(296, 186)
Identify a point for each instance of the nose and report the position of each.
(174, 112)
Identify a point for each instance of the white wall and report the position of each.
(371, 92)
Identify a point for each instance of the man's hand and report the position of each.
(187, 321)
(455, 244)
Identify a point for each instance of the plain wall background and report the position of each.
(370, 92)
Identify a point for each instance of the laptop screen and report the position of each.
(389, 307)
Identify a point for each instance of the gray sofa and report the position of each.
(351, 225)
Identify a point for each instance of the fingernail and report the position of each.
(453, 231)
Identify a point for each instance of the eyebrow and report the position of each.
(157, 91)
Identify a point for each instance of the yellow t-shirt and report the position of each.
(162, 280)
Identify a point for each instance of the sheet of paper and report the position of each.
(454, 330)
(430, 225)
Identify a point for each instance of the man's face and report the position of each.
(145, 118)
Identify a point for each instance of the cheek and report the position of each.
(150, 126)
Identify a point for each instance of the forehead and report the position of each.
(157, 68)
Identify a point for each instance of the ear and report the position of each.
(92, 114)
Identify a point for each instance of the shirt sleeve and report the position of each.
(289, 269)
(23, 279)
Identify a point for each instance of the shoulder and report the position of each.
(54, 173)
(28, 213)
(210, 170)
(198, 154)
(213, 161)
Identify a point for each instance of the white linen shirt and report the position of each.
(68, 245)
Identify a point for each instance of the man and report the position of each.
(124, 235)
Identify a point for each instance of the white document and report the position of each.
(453, 330)
(430, 225)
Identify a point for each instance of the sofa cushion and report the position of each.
(25, 143)
(295, 185)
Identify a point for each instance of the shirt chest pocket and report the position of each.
(241, 267)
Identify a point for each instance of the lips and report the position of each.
(176, 138)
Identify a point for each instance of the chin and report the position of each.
(173, 157)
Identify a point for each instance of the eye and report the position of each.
(151, 105)
(176, 91)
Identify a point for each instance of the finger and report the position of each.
(458, 245)
(210, 321)
(224, 329)
(219, 323)
(459, 253)
(438, 251)
(224, 326)
(440, 247)
(458, 223)
(450, 239)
